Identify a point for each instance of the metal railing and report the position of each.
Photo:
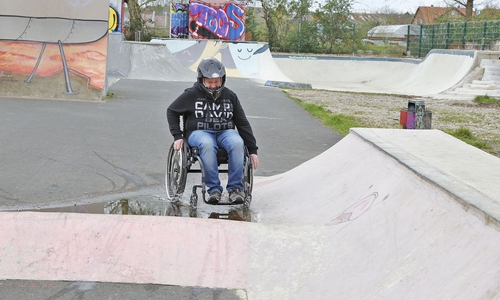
(453, 35)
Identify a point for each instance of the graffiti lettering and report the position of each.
(179, 20)
(225, 23)
(357, 209)
(237, 17)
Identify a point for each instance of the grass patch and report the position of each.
(342, 123)
(388, 50)
(484, 99)
(338, 122)
(457, 118)
(467, 136)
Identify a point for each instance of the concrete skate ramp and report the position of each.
(438, 72)
(383, 214)
(146, 61)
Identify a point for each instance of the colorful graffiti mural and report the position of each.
(212, 21)
(42, 44)
(179, 21)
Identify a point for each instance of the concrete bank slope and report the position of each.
(384, 213)
(146, 61)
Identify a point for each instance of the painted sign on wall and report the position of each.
(217, 21)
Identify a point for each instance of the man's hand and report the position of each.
(255, 160)
(178, 144)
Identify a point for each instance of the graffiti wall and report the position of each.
(215, 20)
(179, 21)
(53, 49)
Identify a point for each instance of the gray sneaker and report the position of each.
(214, 197)
(236, 197)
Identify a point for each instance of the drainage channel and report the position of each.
(154, 205)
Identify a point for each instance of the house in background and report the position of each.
(428, 14)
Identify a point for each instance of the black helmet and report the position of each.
(211, 68)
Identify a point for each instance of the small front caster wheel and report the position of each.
(194, 200)
(248, 200)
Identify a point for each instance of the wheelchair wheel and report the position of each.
(248, 182)
(176, 173)
(249, 179)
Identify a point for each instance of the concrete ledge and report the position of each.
(295, 85)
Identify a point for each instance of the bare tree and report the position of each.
(469, 7)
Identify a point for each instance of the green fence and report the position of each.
(453, 35)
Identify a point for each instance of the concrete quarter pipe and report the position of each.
(438, 72)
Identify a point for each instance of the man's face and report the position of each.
(212, 83)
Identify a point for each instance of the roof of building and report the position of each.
(429, 14)
(382, 18)
(392, 31)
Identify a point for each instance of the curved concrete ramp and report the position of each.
(383, 214)
(438, 72)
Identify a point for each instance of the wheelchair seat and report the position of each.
(181, 162)
(221, 155)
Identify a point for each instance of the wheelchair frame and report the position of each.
(179, 164)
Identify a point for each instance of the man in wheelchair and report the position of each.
(213, 118)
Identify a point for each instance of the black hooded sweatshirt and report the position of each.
(202, 113)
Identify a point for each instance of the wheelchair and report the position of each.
(181, 162)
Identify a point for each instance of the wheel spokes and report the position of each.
(175, 173)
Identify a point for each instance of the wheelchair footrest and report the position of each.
(225, 203)
(194, 198)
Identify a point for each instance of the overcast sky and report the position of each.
(410, 6)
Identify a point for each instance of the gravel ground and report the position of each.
(382, 111)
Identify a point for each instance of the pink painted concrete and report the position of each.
(116, 248)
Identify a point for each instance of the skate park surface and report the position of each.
(380, 214)
(443, 74)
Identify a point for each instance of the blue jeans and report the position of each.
(208, 142)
